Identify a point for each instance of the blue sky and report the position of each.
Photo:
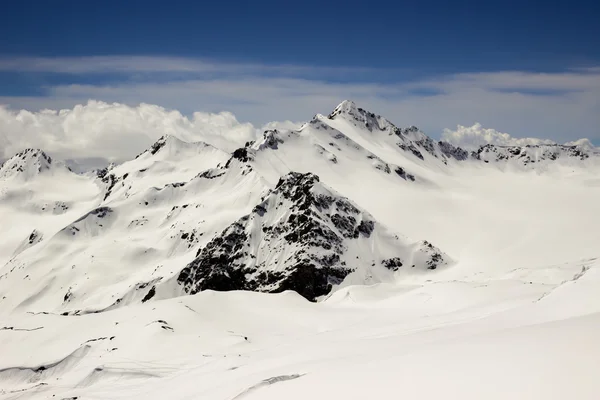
(528, 68)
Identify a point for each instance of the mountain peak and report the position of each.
(165, 140)
(28, 163)
(345, 107)
(304, 236)
(33, 153)
(172, 145)
(360, 117)
(297, 180)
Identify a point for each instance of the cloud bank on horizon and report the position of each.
(475, 136)
(116, 132)
(97, 132)
(534, 107)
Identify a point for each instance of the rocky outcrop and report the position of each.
(302, 237)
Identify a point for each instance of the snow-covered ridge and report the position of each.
(169, 145)
(409, 139)
(28, 164)
(533, 153)
(168, 160)
(417, 143)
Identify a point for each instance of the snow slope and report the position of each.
(493, 339)
(139, 231)
(436, 271)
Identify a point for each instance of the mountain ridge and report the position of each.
(411, 139)
(29, 163)
(177, 205)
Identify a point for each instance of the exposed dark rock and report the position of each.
(67, 296)
(402, 173)
(102, 172)
(191, 237)
(310, 281)
(34, 237)
(110, 180)
(365, 228)
(101, 212)
(406, 131)
(435, 257)
(454, 152)
(150, 294)
(434, 261)
(260, 209)
(242, 154)
(271, 139)
(159, 144)
(345, 224)
(211, 173)
(392, 263)
(529, 154)
(412, 149)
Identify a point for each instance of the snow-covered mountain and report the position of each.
(304, 237)
(384, 230)
(412, 140)
(533, 153)
(300, 210)
(27, 164)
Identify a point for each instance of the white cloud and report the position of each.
(178, 65)
(282, 125)
(472, 137)
(562, 117)
(115, 132)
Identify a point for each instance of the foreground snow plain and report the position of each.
(516, 316)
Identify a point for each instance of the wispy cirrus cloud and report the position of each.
(192, 67)
(571, 80)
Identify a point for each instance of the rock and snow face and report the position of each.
(532, 154)
(410, 139)
(27, 164)
(169, 160)
(304, 237)
(145, 223)
(419, 145)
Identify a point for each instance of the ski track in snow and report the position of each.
(267, 382)
(436, 272)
